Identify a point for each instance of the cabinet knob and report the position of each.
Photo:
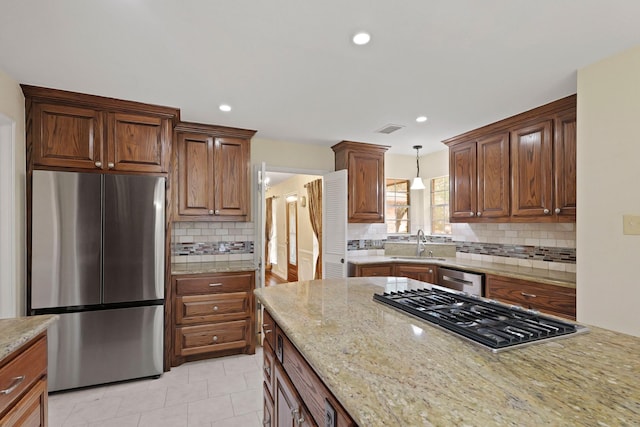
(430, 271)
(557, 210)
(217, 212)
(215, 308)
(98, 164)
(215, 338)
(546, 211)
(210, 211)
(471, 214)
(111, 165)
(479, 214)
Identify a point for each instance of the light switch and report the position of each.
(630, 224)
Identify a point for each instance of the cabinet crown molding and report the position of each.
(520, 119)
(75, 99)
(344, 145)
(215, 130)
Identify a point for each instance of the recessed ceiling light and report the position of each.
(361, 38)
(421, 119)
(225, 107)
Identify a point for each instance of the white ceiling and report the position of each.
(290, 71)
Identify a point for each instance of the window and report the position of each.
(440, 205)
(397, 206)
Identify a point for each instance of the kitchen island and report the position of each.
(387, 368)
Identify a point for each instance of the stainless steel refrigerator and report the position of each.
(98, 261)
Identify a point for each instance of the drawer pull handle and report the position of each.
(215, 308)
(267, 371)
(267, 331)
(213, 285)
(524, 294)
(16, 382)
(215, 338)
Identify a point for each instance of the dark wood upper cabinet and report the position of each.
(366, 185)
(565, 164)
(531, 157)
(138, 143)
(493, 176)
(524, 168)
(212, 177)
(479, 178)
(463, 184)
(67, 136)
(95, 134)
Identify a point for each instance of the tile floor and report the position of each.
(222, 392)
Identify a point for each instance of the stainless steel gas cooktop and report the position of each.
(493, 325)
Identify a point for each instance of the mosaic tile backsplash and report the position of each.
(212, 241)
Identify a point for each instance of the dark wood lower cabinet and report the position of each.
(294, 395)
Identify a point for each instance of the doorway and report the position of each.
(292, 238)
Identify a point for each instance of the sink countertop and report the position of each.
(559, 278)
(387, 368)
(14, 332)
(212, 267)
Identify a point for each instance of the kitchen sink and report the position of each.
(422, 258)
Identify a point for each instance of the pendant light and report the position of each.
(417, 183)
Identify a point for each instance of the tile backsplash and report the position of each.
(212, 241)
(546, 246)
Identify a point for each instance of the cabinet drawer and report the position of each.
(199, 339)
(556, 300)
(268, 329)
(23, 371)
(31, 410)
(267, 370)
(215, 284)
(192, 309)
(376, 270)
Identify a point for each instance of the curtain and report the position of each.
(268, 232)
(314, 191)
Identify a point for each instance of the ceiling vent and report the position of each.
(389, 129)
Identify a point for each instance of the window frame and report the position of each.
(394, 182)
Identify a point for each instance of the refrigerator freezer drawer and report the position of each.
(97, 347)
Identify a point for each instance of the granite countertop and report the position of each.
(17, 331)
(212, 267)
(387, 368)
(558, 278)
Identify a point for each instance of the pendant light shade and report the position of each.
(417, 183)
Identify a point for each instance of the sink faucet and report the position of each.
(420, 242)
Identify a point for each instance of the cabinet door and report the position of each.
(231, 165)
(422, 272)
(565, 164)
(462, 181)
(375, 270)
(137, 143)
(31, 410)
(289, 409)
(493, 176)
(267, 418)
(366, 186)
(531, 161)
(67, 136)
(195, 174)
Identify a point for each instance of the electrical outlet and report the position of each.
(330, 418)
(630, 224)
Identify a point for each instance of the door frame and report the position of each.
(8, 247)
(292, 269)
(260, 169)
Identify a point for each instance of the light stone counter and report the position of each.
(16, 331)
(389, 369)
(558, 278)
(212, 267)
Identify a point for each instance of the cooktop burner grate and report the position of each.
(489, 323)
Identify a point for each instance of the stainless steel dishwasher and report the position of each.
(471, 283)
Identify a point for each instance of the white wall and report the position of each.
(608, 288)
(12, 281)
